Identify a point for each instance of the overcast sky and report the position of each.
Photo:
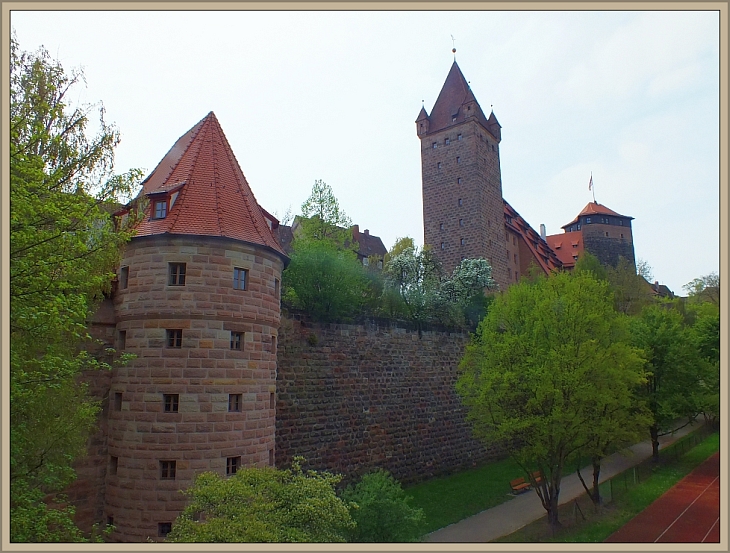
(632, 97)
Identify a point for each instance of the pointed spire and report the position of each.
(205, 191)
(455, 102)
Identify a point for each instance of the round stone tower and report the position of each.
(197, 302)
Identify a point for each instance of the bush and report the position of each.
(381, 510)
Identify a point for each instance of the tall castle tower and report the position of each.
(198, 303)
(463, 208)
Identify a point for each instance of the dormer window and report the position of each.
(161, 209)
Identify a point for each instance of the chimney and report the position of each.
(366, 232)
(543, 233)
(356, 232)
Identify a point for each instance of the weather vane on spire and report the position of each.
(453, 43)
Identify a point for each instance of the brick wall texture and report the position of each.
(202, 433)
(355, 397)
(462, 197)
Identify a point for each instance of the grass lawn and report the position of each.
(453, 498)
(605, 520)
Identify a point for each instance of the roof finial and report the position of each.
(453, 43)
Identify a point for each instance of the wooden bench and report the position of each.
(519, 485)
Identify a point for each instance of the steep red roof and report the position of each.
(594, 208)
(453, 100)
(566, 246)
(206, 191)
(538, 248)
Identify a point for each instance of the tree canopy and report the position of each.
(63, 251)
(548, 359)
(264, 505)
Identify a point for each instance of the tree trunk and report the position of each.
(654, 430)
(553, 513)
(596, 495)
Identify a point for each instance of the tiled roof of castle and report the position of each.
(594, 208)
(453, 96)
(540, 250)
(214, 198)
(566, 245)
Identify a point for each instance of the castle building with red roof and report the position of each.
(197, 302)
(465, 214)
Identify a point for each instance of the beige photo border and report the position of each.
(7, 7)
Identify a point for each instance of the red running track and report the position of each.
(687, 513)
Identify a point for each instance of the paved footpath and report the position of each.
(520, 511)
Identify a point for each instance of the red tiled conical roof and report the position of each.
(594, 208)
(454, 95)
(213, 196)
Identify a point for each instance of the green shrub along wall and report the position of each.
(354, 397)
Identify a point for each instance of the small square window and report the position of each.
(164, 528)
(458, 159)
(123, 278)
(174, 338)
(232, 465)
(515, 258)
(606, 234)
(458, 180)
(272, 402)
(588, 220)
(118, 401)
(453, 118)
(462, 241)
(161, 209)
(276, 287)
(237, 340)
(113, 465)
(461, 222)
(458, 137)
(235, 402)
(622, 236)
(434, 145)
(122, 339)
(620, 223)
(177, 274)
(240, 278)
(443, 246)
(365, 262)
(171, 402)
(578, 227)
(167, 470)
(441, 226)
(447, 141)
(438, 165)
(460, 202)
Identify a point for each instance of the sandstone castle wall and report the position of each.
(355, 397)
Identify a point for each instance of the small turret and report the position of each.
(422, 123)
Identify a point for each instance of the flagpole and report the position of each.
(590, 187)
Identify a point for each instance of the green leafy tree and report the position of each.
(705, 336)
(705, 288)
(325, 281)
(589, 263)
(381, 510)
(63, 251)
(324, 220)
(264, 505)
(631, 291)
(400, 245)
(672, 377)
(545, 362)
